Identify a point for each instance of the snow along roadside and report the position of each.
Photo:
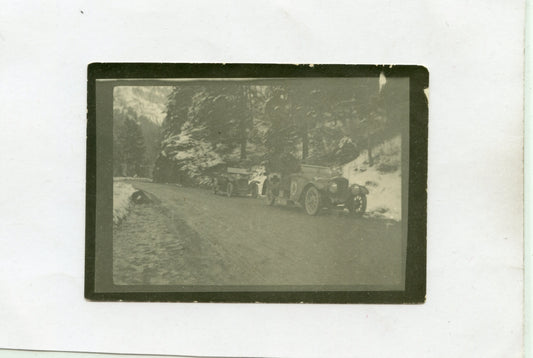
(383, 179)
(121, 200)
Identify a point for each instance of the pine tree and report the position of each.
(132, 149)
(318, 121)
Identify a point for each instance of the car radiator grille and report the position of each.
(342, 184)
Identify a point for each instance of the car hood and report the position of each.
(326, 179)
(323, 181)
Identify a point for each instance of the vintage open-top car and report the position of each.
(235, 182)
(314, 188)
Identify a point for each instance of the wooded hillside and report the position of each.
(322, 121)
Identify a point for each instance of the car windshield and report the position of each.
(316, 170)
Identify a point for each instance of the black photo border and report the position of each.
(415, 274)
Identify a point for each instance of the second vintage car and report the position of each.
(315, 188)
(235, 182)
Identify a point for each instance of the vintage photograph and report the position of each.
(239, 184)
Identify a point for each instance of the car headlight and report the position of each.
(333, 187)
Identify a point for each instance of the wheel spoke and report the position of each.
(311, 199)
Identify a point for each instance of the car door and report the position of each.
(296, 187)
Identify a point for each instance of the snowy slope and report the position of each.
(383, 179)
(148, 101)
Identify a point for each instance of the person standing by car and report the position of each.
(284, 164)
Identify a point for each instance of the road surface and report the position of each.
(192, 237)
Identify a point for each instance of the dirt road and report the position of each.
(193, 237)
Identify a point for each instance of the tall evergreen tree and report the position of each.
(318, 121)
(131, 152)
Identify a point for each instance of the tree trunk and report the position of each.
(370, 158)
(305, 142)
(242, 125)
(243, 148)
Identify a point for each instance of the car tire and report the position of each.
(358, 205)
(229, 190)
(312, 201)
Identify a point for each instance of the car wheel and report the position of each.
(271, 198)
(358, 205)
(312, 201)
(229, 190)
(255, 190)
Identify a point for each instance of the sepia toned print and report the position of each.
(257, 184)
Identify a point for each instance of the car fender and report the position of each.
(358, 189)
(304, 189)
(321, 184)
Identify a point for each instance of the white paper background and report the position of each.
(474, 53)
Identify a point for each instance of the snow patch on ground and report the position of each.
(383, 179)
(121, 200)
(193, 156)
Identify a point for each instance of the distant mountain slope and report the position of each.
(147, 101)
(147, 106)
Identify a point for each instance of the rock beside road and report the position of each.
(140, 197)
(124, 195)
